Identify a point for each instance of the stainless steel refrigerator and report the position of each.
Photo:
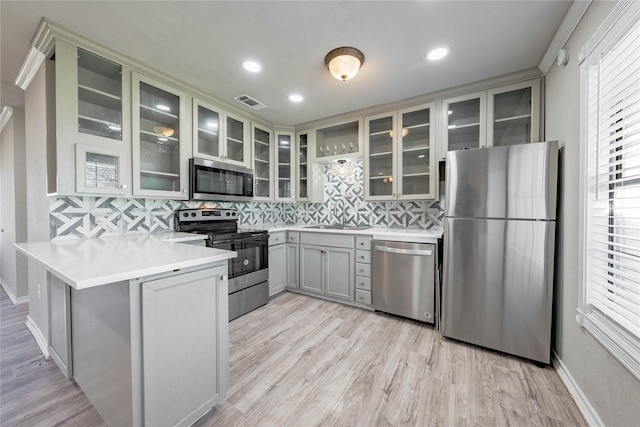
(499, 247)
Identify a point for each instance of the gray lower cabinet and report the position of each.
(327, 265)
(277, 262)
(179, 379)
(293, 266)
(153, 351)
(60, 324)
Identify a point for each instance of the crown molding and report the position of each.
(41, 46)
(5, 115)
(29, 68)
(569, 23)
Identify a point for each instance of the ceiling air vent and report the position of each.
(250, 102)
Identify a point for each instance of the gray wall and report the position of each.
(13, 222)
(37, 132)
(610, 388)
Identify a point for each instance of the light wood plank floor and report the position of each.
(301, 361)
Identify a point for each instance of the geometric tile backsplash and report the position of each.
(77, 217)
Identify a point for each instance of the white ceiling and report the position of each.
(204, 42)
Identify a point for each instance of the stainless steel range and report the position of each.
(249, 271)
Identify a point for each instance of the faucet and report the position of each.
(335, 211)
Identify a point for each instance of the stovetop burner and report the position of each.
(218, 223)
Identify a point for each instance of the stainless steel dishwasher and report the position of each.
(403, 279)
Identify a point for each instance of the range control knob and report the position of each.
(185, 214)
(228, 213)
(193, 214)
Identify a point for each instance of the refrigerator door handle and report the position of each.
(403, 251)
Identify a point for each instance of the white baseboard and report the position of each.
(588, 412)
(42, 342)
(14, 300)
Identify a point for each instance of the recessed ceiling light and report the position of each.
(295, 98)
(438, 53)
(252, 66)
(163, 107)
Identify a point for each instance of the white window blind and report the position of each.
(612, 197)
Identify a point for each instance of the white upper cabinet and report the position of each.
(285, 172)
(93, 124)
(399, 155)
(514, 114)
(263, 152)
(207, 127)
(237, 148)
(338, 141)
(465, 122)
(380, 167)
(161, 139)
(220, 136)
(502, 116)
(416, 153)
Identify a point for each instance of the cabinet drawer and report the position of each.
(277, 237)
(363, 270)
(325, 239)
(363, 283)
(363, 256)
(293, 237)
(363, 242)
(363, 297)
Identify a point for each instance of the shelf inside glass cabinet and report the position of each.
(99, 96)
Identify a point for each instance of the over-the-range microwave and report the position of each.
(210, 180)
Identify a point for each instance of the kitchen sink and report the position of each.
(338, 227)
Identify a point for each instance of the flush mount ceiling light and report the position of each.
(438, 53)
(252, 66)
(295, 98)
(163, 130)
(342, 169)
(344, 62)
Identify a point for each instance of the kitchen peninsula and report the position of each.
(140, 323)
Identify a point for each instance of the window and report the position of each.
(610, 302)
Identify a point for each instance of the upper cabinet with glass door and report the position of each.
(380, 157)
(220, 136)
(399, 155)
(514, 114)
(160, 139)
(285, 167)
(505, 115)
(465, 121)
(262, 163)
(416, 153)
(92, 123)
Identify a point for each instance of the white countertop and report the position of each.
(378, 233)
(84, 263)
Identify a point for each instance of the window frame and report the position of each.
(618, 341)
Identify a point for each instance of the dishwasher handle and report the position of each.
(404, 251)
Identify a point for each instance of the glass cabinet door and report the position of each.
(235, 141)
(415, 135)
(100, 170)
(285, 166)
(157, 139)
(261, 163)
(380, 157)
(303, 169)
(465, 122)
(206, 122)
(513, 116)
(99, 96)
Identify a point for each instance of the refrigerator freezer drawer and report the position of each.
(516, 181)
(498, 284)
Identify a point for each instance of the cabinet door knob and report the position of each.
(123, 186)
(184, 190)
